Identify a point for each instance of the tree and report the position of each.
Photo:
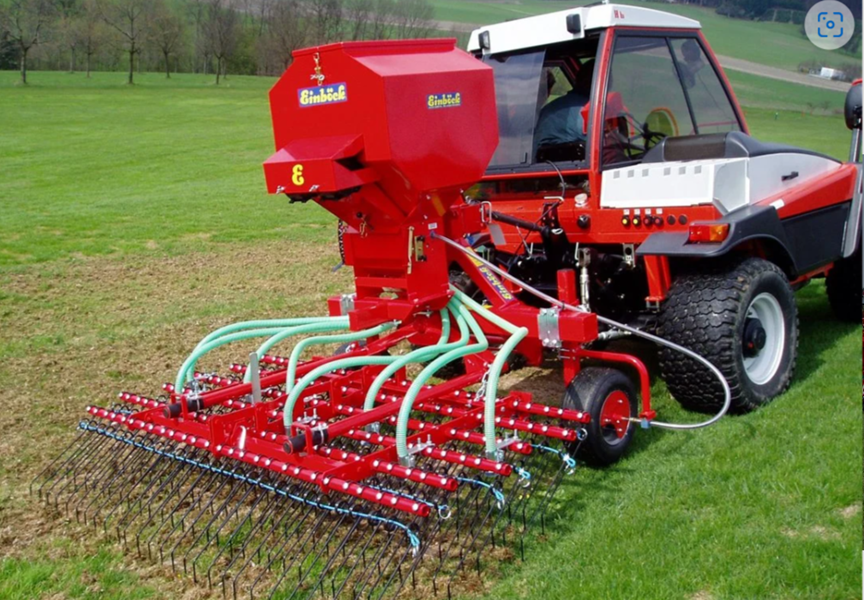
(359, 16)
(285, 33)
(26, 22)
(90, 31)
(382, 15)
(221, 27)
(166, 33)
(326, 18)
(67, 12)
(129, 19)
(8, 54)
(413, 18)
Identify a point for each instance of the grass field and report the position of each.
(775, 44)
(134, 220)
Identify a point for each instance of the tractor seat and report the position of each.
(733, 144)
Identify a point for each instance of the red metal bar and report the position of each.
(644, 378)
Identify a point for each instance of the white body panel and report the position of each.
(551, 28)
(729, 183)
(677, 184)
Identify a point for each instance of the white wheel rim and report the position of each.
(762, 367)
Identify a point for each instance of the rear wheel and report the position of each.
(844, 288)
(743, 318)
(609, 397)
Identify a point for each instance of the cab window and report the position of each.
(711, 106)
(645, 99)
(540, 96)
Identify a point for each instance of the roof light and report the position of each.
(574, 23)
(711, 233)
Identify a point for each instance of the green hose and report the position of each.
(292, 331)
(517, 334)
(294, 391)
(291, 375)
(265, 323)
(226, 335)
(421, 354)
(408, 402)
(187, 370)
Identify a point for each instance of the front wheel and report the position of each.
(609, 397)
(740, 316)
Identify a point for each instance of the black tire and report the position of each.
(589, 392)
(714, 313)
(844, 288)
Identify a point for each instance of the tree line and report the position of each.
(254, 37)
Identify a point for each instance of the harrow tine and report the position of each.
(90, 444)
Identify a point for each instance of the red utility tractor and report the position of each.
(574, 178)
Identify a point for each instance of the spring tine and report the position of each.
(201, 509)
(213, 479)
(273, 556)
(265, 514)
(370, 538)
(295, 512)
(214, 515)
(227, 514)
(91, 444)
(167, 473)
(178, 483)
(107, 471)
(322, 547)
(129, 478)
(67, 455)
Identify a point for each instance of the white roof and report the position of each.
(551, 28)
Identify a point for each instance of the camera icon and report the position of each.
(830, 24)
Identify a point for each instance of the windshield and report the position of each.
(517, 86)
(541, 95)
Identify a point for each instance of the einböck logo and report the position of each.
(327, 94)
(444, 100)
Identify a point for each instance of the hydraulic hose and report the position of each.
(344, 363)
(433, 367)
(727, 402)
(517, 334)
(258, 324)
(235, 332)
(188, 367)
(344, 338)
(292, 331)
(418, 355)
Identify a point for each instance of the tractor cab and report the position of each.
(596, 87)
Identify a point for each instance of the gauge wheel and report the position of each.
(609, 397)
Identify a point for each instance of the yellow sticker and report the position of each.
(297, 178)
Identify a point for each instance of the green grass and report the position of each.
(91, 578)
(94, 167)
(750, 508)
(775, 44)
(159, 171)
(167, 175)
(760, 92)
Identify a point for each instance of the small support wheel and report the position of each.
(609, 397)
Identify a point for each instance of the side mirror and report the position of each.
(853, 106)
